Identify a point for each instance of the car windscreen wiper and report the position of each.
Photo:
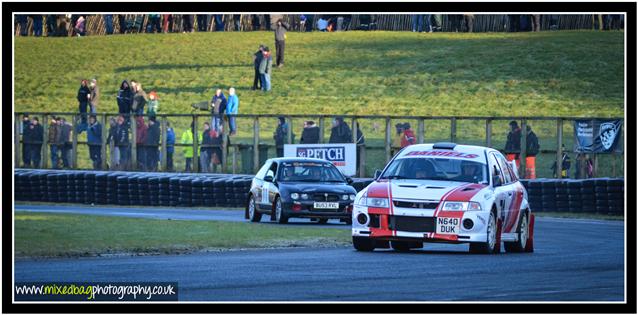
(396, 177)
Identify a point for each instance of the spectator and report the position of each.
(322, 25)
(237, 21)
(53, 137)
(37, 25)
(94, 98)
(531, 150)
(79, 26)
(396, 142)
(62, 30)
(122, 19)
(139, 99)
(340, 132)
(281, 135)
(536, 22)
(417, 23)
(584, 165)
(302, 23)
(218, 106)
(524, 23)
(514, 22)
(94, 140)
(265, 68)
(455, 22)
(468, 21)
(122, 142)
(206, 149)
(153, 104)
(427, 23)
(202, 22)
(34, 136)
(151, 143)
(216, 155)
(65, 142)
(257, 61)
(187, 138)
(22, 21)
(108, 23)
(566, 165)
(167, 23)
(84, 94)
(407, 136)
(170, 146)
(219, 23)
(124, 99)
(437, 26)
(140, 140)
(255, 22)
(110, 140)
(26, 157)
(187, 23)
(310, 133)
(52, 25)
(154, 23)
(513, 144)
(280, 41)
(232, 109)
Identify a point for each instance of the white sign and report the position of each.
(341, 155)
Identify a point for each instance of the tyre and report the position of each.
(490, 246)
(253, 214)
(323, 221)
(523, 236)
(280, 216)
(403, 246)
(362, 244)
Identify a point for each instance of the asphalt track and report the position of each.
(574, 260)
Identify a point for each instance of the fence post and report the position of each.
(488, 132)
(321, 127)
(16, 141)
(421, 131)
(289, 131)
(256, 145)
(103, 142)
(388, 134)
(222, 159)
(354, 130)
(74, 144)
(163, 147)
(453, 129)
(133, 142)
(595, 168)
(523, 156)
(45, 140)
(234, 159)
(559, 148)
(195, 144)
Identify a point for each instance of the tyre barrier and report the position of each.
(595, 195)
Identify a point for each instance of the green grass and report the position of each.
(51, 235)
(567, 73)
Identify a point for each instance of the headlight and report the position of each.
(378, 202)
(461, 206)
(352, 197)
(344, 197)
(304, 196)
(294, 196)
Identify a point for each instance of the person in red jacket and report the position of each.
(407, 138)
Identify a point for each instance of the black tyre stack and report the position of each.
(548, 188)
(616, 196)
(562, 197)
(535, 195)
(185, 190)
(174, 190)
(164, 191)
(574, 195)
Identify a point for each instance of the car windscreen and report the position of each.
(437, 169)
(309, 172)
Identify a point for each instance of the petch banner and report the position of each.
(342, 155)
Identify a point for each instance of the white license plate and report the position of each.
(448, 225)
(326, 205)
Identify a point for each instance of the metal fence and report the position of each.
(246, 151)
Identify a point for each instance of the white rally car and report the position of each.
(444, 192)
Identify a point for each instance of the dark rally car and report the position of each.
(300, 187)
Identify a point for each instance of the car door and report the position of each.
(500, 191)
(259, 183)
(511, 194)
(268, 188)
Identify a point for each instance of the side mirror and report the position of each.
(268, 178)
(349, 180)
(377, 173)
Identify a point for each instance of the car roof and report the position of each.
(297, 159)
(446, 150)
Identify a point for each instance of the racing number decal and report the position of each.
(447, 225)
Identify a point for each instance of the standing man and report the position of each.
(232, 109)
(151, 142)
(417, 23)
(139, 99)
(280, 41)
(54, 135)
(536, 22)
(280, 135)
(187, 138)
(26, 122)
(35, 135)
(125, 99)
(531, 150)
(218, 106)
(52, 25)
(206, 148)
(94, 96)
(122, 20)
(310, 133)
(65, 142)
(265, 68)
(513, 144)
(84, 95)
(110, 140)
(468, 20)
(108, 23)
(170, 146)
(256, 62)
(94, 140)
(340, 132)
(122, 142)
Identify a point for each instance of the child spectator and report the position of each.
(153, 104)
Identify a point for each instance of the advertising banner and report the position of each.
(597, 136)
(342, 155)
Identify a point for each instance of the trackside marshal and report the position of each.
(341, 155)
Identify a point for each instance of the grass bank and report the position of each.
(67, 235)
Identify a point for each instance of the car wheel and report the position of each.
(523, 237)
(323, 221)
(348, 221)
(362, 244)
(279, 212)
(253, 214)
(488, 247)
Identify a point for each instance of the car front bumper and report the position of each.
(305, 209)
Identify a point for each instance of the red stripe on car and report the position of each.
(465, 194)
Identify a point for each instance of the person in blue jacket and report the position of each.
(94, 140)
(232, 108)
(170, 146)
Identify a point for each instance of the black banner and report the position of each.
(597, 136)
